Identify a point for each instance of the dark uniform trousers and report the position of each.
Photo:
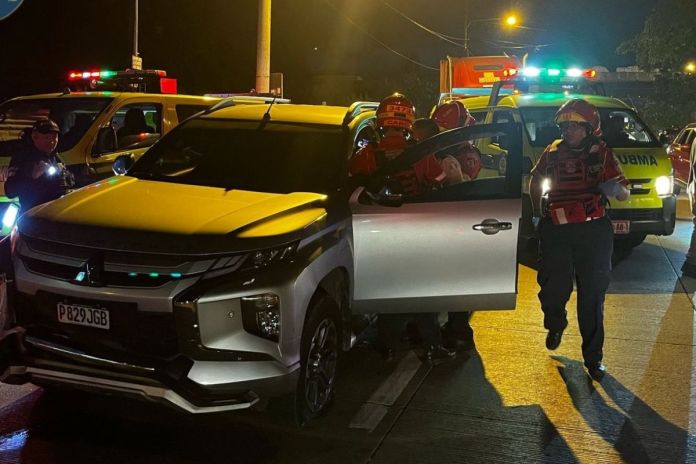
(581, 251)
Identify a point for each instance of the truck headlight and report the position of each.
(262, 258)
(664, 185)
(261, 315)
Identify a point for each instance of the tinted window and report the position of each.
(278, 158)
(690, 139)
(138, 125)
(73, 115)
(186, 111)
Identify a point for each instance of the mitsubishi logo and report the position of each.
(91, 273)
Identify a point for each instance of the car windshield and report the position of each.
(621, 128)
(275, 158)
(73, 115)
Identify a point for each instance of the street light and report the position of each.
(690, 67)
(509, 20)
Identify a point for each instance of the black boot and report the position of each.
(596, 370)
(553, 339)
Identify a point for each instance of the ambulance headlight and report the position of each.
(664, 185)
(10, 216)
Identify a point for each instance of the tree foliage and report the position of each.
(665, 45)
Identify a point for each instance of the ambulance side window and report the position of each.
(500, 117)
(137, 125)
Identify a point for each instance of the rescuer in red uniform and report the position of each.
(395, 117)
(453, 115)
(570, 185)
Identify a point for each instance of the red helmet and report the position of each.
(579, 110)
(452, 115)
(396, 111)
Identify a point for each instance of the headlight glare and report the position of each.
(10, 216)
(664, 185)
(545, 185)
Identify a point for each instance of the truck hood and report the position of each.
(126, 213)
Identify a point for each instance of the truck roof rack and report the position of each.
(234, 99)
(357, 108)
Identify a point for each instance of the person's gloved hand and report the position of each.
(611, 188)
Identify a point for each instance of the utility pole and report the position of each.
(135, 30)
(263, 48)
(136, 61)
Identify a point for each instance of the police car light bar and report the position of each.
(77, 75)
(105, 74)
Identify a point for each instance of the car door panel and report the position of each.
(452, 250)
(449, 264)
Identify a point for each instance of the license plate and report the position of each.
(621, 227)
(83, 315)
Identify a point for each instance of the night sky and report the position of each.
(210, 45)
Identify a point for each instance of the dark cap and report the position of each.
(45, 126)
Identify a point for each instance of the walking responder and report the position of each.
(570, 186)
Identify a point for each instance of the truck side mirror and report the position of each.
(106, 141)
(123, 163)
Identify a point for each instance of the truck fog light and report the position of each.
(664, 185)
(261, 315)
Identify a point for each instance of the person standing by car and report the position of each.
(458, 334)
(570, 185)
(395, 117)
(395, 120)
(36, 175)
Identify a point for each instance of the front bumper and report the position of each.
(655, 221)
(49, 364)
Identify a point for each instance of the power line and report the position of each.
(439, 35)
(366, 32)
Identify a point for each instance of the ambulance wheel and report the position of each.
(629, 241)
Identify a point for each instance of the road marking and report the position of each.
(376, 407)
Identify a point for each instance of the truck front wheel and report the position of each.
(320, 348)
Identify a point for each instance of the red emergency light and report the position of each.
(168, 85)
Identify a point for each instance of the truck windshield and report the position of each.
(278, 158)
(73, 115)
(621, 128)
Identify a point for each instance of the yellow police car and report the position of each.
(651, 208)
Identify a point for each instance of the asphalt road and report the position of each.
(509, 401)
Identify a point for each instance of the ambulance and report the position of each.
(533, 100)
(102, 114)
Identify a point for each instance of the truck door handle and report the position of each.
(492, 226)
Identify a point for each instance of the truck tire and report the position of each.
(319, 352)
